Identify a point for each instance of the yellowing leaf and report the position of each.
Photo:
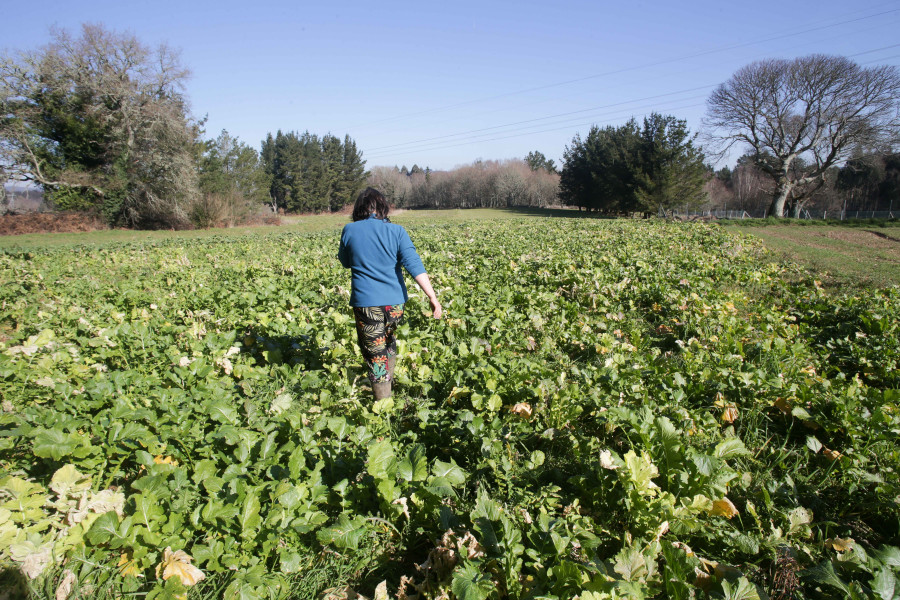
(69, 481)
(641, 471)
(831, 454)
(730, 414)
(128, 566)
(469, 547)
(341, 593)
(799, 519)
(840, 544)
(458, 392)
(404, 506)
(726, 572)
(783, 405)
(723, 508)
(662, 530)
(702, 579)
(178, 564)
(34, 559)
(281, 403)
(522, 409)
(381, 592)
(165, 460)
(65, 586)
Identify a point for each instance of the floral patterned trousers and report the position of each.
(375, 326)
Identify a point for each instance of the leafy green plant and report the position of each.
(609, 409)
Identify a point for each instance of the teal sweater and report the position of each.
(374, 250)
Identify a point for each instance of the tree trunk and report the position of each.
(782, 190)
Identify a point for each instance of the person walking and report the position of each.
(374, 249)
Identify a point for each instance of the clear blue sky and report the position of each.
(443, 84)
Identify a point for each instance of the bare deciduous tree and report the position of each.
(718, 194)
(752, 187)
(813, 110)
(480, 184)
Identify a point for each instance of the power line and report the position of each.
(546, 130)
(881, 59)
(805, 43)
(626, 69)
(694, 89)
(567, 124)
(423, 145)
(432, 147)
(875, 50)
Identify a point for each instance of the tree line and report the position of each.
(482, 184)
(101, 122)
(866, 182)
(816, 130)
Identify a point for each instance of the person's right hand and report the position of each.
(436, 307)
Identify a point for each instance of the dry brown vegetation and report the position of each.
(62, 222)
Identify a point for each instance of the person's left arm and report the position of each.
(410, 260)
(425, 283)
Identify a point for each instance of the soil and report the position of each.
(18, 224)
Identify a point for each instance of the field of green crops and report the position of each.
(609, 409)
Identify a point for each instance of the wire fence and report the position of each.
(839, 215)
(23, 202)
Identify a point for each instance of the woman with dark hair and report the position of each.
(374, 249)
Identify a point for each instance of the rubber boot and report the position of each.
(383, 390)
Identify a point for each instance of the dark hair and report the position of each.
(370, 201)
